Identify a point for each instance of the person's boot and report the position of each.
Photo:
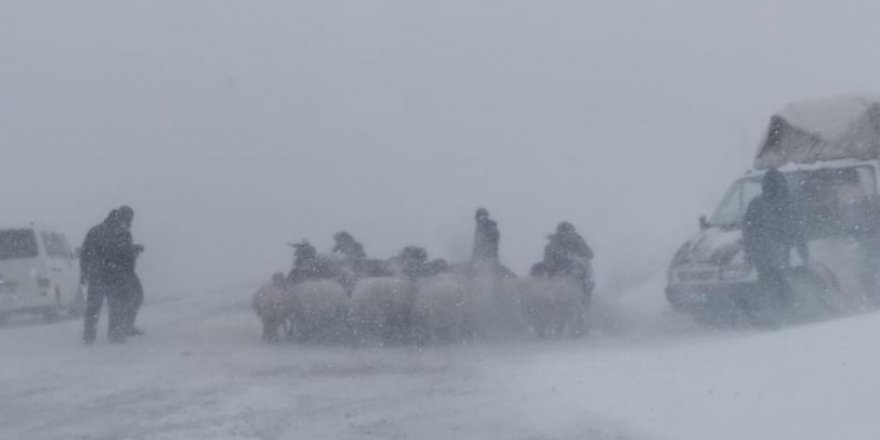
(89, 334)
(134, 331)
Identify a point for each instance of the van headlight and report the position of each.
(727, 254)
(683, 255)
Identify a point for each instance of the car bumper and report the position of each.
(688, 297)
(26, 303)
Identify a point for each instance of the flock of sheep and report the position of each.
(453, 306)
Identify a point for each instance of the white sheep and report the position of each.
(554, 307)
(496, 311)
(319, 310)
(272, 305)
(381, 308)
(443, 309)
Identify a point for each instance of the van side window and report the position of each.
(56, 246)
(18, 243)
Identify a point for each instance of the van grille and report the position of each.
(696, 276)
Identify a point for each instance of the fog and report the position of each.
(235, 127)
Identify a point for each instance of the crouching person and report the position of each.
(272, 306)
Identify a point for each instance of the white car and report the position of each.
(38, 272)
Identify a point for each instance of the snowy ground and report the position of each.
(201, 373)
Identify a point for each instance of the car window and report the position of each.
(56, 245)
(18, 243)
(829, 199)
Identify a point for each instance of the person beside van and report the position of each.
(134, 292)
(770, 230)
(106, 262)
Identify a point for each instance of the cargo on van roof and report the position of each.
(806, 132)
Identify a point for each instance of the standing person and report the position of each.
(486, 239)
(107, 258)
(308, 265)
(770, 230)
(568, 254)
(565, 248)
(346, 245)
(134, 290)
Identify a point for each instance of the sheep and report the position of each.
(554, 307)
(495, 310)
(381, 307)
(271, 302)
(319, 310)
(442, 309)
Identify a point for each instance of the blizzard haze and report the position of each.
(235, 127)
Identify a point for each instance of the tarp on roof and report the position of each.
(842, 127)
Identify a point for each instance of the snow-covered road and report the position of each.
(201, 373)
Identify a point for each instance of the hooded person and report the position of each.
(565, 250)
(308, 265)
(107, 259)
(135, 290)
(567, 254)
(346, 245)
(414, 262)
(486, 239)
(770, 230)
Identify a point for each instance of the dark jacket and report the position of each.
(486, 241)
(108, 254)
(308, 269)
(771, 227)
(561, 255)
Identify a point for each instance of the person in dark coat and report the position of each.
(135, 290)
(567, 254)
(346, 245)
(107, 259)
(565, 251)
(308, 265)
(770, 230)
(486, 239)
(414, 262)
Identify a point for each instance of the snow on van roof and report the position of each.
(840, 127)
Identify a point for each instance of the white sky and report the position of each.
(234, 127)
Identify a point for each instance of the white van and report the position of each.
(829, 151)
(38, 272)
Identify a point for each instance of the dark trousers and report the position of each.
(772, 280)
(116, 304)
(134, 300)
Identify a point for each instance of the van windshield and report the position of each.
(18, 243)
(827, 199)
(733, 206)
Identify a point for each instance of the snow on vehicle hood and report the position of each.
(714, 246)
(841, 127)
